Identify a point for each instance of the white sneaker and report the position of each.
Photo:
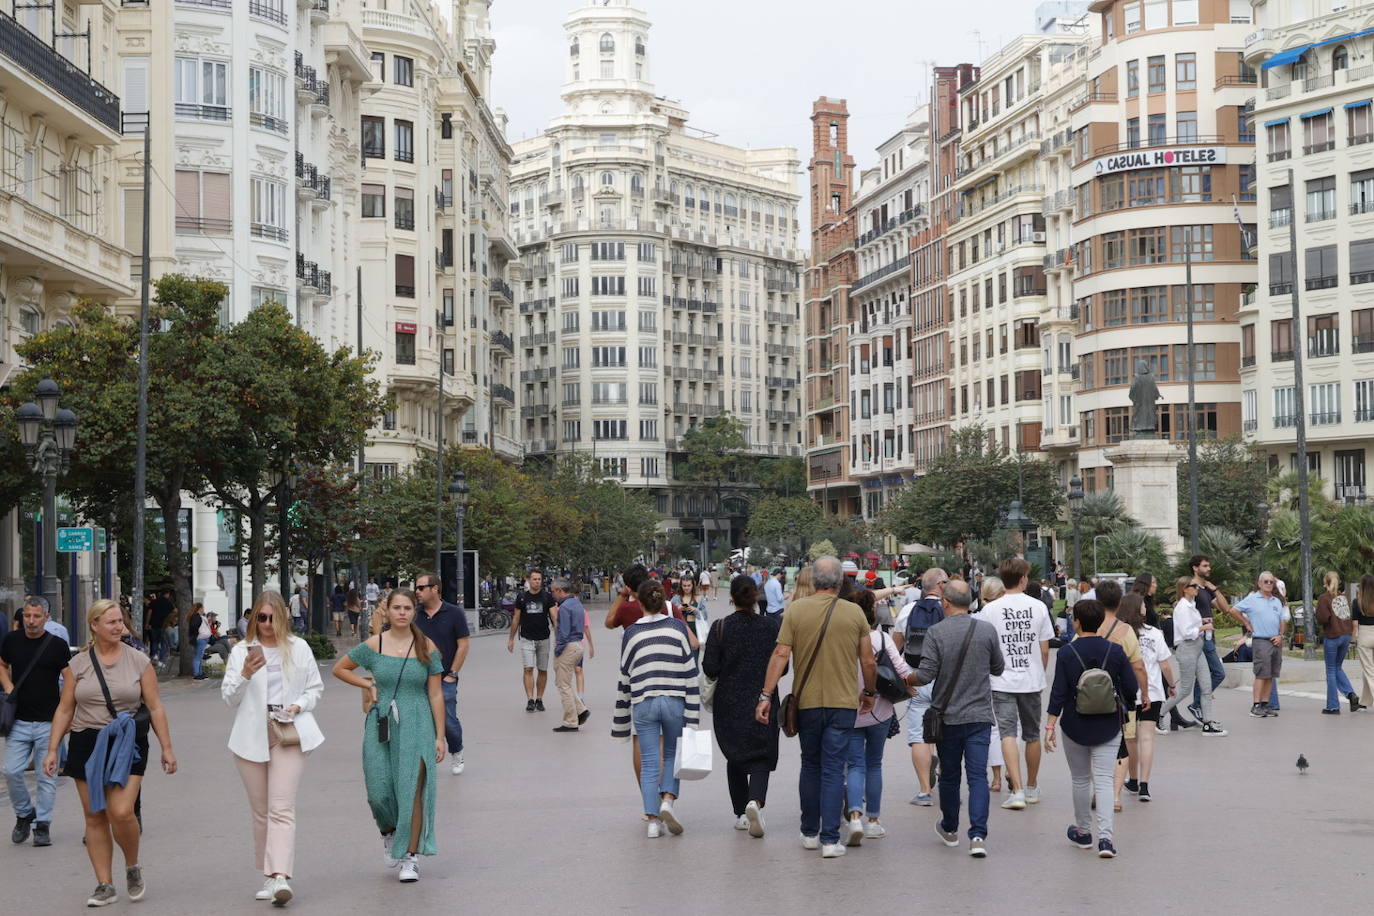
(874, 830)
(1015, 801)
(387, 859)
(655, 828)
(810, 842)
(268, 887)
(741, 823)
(832, 851)
(1032, 794)
(458, 764)
(753, 815)
(281, 891)
(1161, 729)
(852, 831)
(410, 869)
(665, 814)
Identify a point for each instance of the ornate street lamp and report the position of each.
(458, 492)
(1075, 507)
(48, 434)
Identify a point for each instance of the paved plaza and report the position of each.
(545, 822)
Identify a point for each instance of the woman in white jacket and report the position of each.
(273, 681)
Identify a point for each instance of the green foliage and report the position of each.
(966, 493)
(1232, 479)
(716, 463)
(1101, 512)
(997, 548)
(1342, 539)
(823, 547)
(320, 645)
(602, 524)
(781, 476)
(1132, 551)
(680, 545)
(1233, 559)
(783, 522)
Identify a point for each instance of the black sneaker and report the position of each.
(1105, 849)
(1132, 786)
(1196, 710)
(41, 837)
(566, 728)
(1331, 712)
(1214, 729)
(1258, 711)
(1144, 792)
(1355, 704)
(539, 705)
(20, 833)
(583, 716)
(529, 706)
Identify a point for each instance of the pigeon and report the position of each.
(1302, 765)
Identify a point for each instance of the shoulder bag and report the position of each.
(933, 723)
(9, 702)
(708, 688)
(141, 716)
(890, 686)
(384, 718)
(790, 711)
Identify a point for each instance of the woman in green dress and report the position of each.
(403, 734)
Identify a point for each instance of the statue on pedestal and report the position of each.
(1144, 394)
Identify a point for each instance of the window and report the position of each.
(446, 313)
(1132, 78)
(1147, 246)
(1361, 124)
(1113, 250)
(1115, 366)
(1149, 305)
(261, 295)
(607, 43)
(1362, 191)
(1204, 302)
(405, 141)
(1364, 400)
(1362, 261)
(269, 209)
(648, 252)
(1280, 141)
(648, 321)
(404, 70)
(374, 201)
(609, 393)
(1323, 335)
(1113, 308)
(648, 467)
(405, 276)
(1158, 129)
(608, 251)
(648, 357)
(570, 287)
(379, 66)
(608, 286)
(1146, 187)
(1281, 340)
(202, 89)
(646, 286)
(1321, 267)
(1156, 14)
(1132, 17)
(1157, 358)
(1324, 403)
(1321, 199)
(1117, 421)
(1191, 183)
(608, 69)
(1157, 73)
(267, 99)
(374, 137)
(572, 321)
(1340, 58)
(569, 253)
(405, 345)
(1319, 132)
(1185, 65)
(608, 357)
(1204, 362)
(405, 208)
(607, 321)
(607, 179)
(648, 392)
(1193, 242)
(648, 429)
(1186, 126)
(202, 202)
(572, 358)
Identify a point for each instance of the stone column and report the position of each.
(1145, 479)
(205, 579)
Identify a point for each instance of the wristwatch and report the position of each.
(870, 693)
(451, 673)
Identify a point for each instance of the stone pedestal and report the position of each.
(1145, 479)
(205, 576)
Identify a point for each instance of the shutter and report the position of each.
(1364, 175)
(1362, 256)
(1281, 198)
(133, 221)
(405, 270)
(216, 200)
(135, 85)
(405, 194)
(188, 198)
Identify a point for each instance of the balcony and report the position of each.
(405, 292)
(534, 410)
(1279, 218)
(1279, 155)
(268, 122)
(1362, 276)
(540, 445)
(1318, 216)
(1320, 283)
(271, 12)
(1350, 492)
(194, 225)
(539, 375)
(1281, 356)
(1246, 362)
(774, 381)
(1326, 344)
(1249, 426)
(264, 231)
(505, 393)
(1285, 420)
(37, 61)
(900, 264)
(535, 305)
(198, 112)
(503, 340)
(780, 416)
(502, 289)
(1280, 289)
(543, 339)
(1325, 418)
(1361, 344)
(405, 221)
(1314, 148)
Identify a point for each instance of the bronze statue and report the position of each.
(1144, 394)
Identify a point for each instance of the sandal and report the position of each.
(1116, 806)
(995, 787)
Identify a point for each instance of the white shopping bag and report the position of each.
(693, 754)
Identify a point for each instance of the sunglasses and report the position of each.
(420, 588)
(264, 618)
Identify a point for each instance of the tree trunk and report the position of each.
(257, 544)
(169, 503)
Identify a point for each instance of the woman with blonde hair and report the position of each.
(805, 585)
(1338, 627)
(1189, 632)
(403, 734)
(274, 684)
(109, 700)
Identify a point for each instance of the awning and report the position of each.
(1362, 104)
(1293, 54)
(1316, 114)
(1276, 122)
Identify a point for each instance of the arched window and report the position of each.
(1300, 66)
(636, 182)
(607, 43)
(578, 182)
(607, 179)
(1340, 58)
(672, 187)
(574, 48)
(731, 206)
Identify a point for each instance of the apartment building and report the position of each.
(659, 275)
(59, 215)
(889, 211)
(1316, 182)
(830, 271)
(1162, 165)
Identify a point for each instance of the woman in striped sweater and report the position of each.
(658, 694)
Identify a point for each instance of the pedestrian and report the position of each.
(991, 589)
(1145, 586)
(337, 602)
(1265, 617)
(372, 593)
(1155, 653)
(1022, 623)
(659, 695)
(1188, 639)
(572, 623)
(1071, 595)
(1208, 597)
(173, 626)
(590, 653)
(300, 607)
(1090, 738)
(704, 580)
(773, 592)
(868, 738)
(198, 635)
(109, 699)
(1109, 595)
(1364, 637)
(804, 587)
(690, 605)
(402, 733)
(156, 614)
(446, 625)
(827, 635)
(353, 608)
(1333, 616)
(962, 654)
(531, 624)
(736, 657)
(273, 683)
(33, 663)
(908, 633)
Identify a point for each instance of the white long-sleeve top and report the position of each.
(1187, 620)
(301, 686)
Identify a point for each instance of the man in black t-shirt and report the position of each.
(532, 624)
(1208, 597)
(158, 612)
(446, 625)
(35, 703)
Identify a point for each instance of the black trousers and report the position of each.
(747, 781)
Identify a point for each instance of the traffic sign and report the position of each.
(75, 540)
(101, 540)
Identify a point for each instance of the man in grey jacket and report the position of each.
(967, 703)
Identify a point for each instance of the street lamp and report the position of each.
(1075, 506)
(48, 433)
(1096, 538)
(284, 481)
(458, 490)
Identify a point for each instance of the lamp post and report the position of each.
(1096, 538)
(458, 490)
(1075, 506)
(1019, 522)
(48, 433)
(284, 482)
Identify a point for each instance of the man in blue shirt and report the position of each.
(772, 591)
(1265, 617)
(571, 619)
(446, 625)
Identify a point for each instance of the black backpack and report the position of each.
(925, 614)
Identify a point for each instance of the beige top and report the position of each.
(123, 680)
(832, 683)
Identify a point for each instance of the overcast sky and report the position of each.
(749, 70)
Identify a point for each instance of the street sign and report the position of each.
(101, 542)
(75, 540)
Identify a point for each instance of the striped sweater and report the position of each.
(655, 661)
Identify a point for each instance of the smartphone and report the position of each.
(255, 651)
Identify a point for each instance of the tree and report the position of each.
(967, 490)
(1231, 482)
(679, 545)
(781, 476)
(784, 522)
(609, 526)
(1101, 512)
(715, 460)
(1132, 551)
(821, 548)
(1233, 559)
(325, 515)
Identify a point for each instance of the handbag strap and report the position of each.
(104, 687)
(958, 667)
(816, 649)
(405, 659)
(38, 653)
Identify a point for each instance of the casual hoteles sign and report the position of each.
(1159, 158)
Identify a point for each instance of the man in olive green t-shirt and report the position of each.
(828, 698)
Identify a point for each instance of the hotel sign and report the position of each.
(1159, 158)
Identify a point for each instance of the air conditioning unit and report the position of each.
(1038, 238)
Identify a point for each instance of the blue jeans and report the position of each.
(1214, 665)
(654, 717)
(864, 777)
(824, 735)
(1274, 694)
(1337, 684)
(969, 743)
(199, 656)
(158, 648)
(453, 729)
(29, 741)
